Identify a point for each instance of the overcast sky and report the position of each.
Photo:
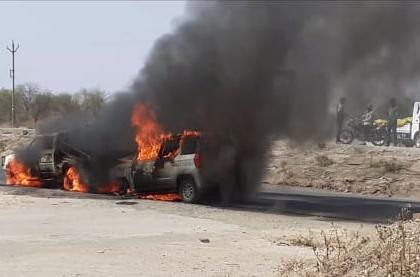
(68, 45)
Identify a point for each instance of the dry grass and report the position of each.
(283, 163)
(293, 268)
(359, 150)
(394, 251)
(322, 145)
(304, 241)
(398, 252)
(336, 256)
(388, 166)
(324, 161)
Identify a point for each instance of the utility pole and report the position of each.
(13, 50)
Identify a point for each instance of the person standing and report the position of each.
(340, 118)
(367, 123)
(391, 132)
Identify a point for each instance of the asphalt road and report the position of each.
(335, 205)
(290, 200)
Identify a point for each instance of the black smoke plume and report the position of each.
(248, 72)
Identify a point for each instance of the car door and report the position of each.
(142, 175)
(166, 165)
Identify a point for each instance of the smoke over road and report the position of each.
(248, 71)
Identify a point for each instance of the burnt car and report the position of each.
(49, 156)
(176, 169)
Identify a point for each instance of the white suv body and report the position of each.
(176, 169)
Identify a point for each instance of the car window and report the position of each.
(170, 145)
(189, 145)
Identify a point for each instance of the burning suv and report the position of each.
(175, 166)
(175, 169)
(49, 156)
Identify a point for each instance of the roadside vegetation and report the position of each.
(324, 161)
(388, 166)
(393, 251)
(34, 104)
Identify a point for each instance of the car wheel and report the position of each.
(124, 186)
(378, 138)
(188, 191)
(346, 136)
(417, 140)
(409, 143)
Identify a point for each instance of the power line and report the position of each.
(13, 50)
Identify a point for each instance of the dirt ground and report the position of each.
(11, 138)
(372, 170)
(98, 237)
(55, 233)
(369, 170)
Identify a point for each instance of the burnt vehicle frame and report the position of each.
(175, 169)
(49, 156)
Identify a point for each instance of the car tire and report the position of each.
(123, 186)
(409, 144)
(346, 136)
(378, 138)
(417, 140)
(188, 191)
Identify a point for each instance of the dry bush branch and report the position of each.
(387, 166)
(324, 161)
(394, 251)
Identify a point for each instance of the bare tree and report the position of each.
(5, 103)
(27, 93)
(65, 104)
(41, 106)
(91, 100)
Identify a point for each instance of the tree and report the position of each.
(34, 103)
(41, 106)
(65, 104)
(91, 100)
(5, 105)
(26, 94)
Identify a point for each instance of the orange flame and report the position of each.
(149, 133)
(19, 174)
(113, 187)
(73, 181)
(162, 197)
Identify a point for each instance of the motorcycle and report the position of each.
(354, 129)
